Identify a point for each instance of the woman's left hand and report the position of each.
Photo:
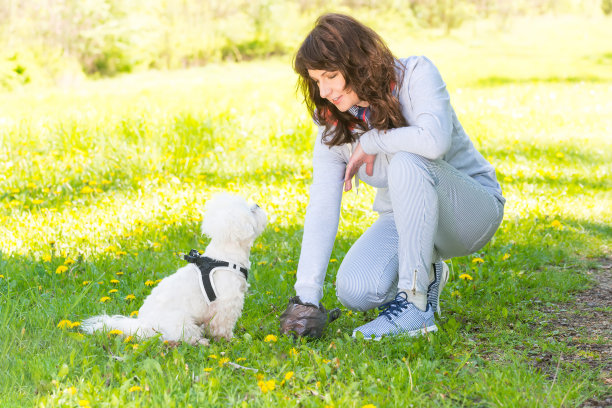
(358, 158)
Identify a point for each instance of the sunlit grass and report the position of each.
(102, 186)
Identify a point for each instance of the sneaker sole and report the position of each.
(443, 281)
(412, 333)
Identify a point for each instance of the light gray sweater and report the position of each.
(434, 132)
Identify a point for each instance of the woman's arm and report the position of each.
(321, 223)
(424, 97)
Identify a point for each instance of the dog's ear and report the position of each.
(228, 218)
(242, 227)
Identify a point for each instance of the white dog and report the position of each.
(195, 301)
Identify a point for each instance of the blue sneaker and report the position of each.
(435, 287)
(399, 318)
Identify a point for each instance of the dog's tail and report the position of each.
(127, 325)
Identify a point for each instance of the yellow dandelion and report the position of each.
(208, 369)
(110, 292)
(83, 403)
(262, 262)
(560, 155)
(157, 281)
(75, 324)
(466, 276)
(369, 406)
(135, 388)
(71, 390)
(293, 351)
(85, 283)
(240, 359)
(110, 249)
(104, 299)
(223, 360)
(270, 338)
(214, 356)
(134, 346)
(149, 282)
(505, 257)
(114, 281)
(266, 386)
(130, 297)
(120, 253)
(128, 339)
(291, 272)
(556, 224)
(87, 190)
(37, 201)
(61, 269)
(119, 273)
(63, 324)
(115, 332)
(288, 375)
(325, 361)
(134, 313)
(477, 260)
(46, 258)
(68, 261)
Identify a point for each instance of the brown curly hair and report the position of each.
(340, 43)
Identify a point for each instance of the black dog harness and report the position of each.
(208, 267)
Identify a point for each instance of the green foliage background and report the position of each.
(59, 41)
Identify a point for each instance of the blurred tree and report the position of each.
(449, 14)
(104, 37)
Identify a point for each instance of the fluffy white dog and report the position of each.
(196, 301)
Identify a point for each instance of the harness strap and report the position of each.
(207, 266)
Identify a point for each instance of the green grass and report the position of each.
(113, 175)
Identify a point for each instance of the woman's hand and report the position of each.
(358, 158)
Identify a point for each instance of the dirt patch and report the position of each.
(586, 325)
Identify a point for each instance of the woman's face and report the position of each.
(332, 87)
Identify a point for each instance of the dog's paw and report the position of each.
(202, 342)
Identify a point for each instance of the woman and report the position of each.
(389, 123)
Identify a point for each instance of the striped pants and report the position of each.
(438, 213)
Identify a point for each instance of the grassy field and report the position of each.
(102, 185)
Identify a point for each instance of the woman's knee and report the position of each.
(357, 295)
(406, 168)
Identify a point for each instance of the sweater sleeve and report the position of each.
(321, 222)
(423, 94)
